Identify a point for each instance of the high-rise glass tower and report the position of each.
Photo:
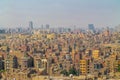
(31, 25)
(91, 27)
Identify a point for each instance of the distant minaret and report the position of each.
(31, 25)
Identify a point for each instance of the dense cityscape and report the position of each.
(47, 53)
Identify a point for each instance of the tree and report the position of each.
(73, 71)
(118, 68)
(64, 72)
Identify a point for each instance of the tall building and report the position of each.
(47, 26)
(83, 67)
(31, 25)
(91, 27)
(95, 54)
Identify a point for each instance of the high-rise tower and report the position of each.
(91, 27)
(31, 25)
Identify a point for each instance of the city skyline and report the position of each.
(15, 13)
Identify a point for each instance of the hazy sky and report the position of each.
(15, 13)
